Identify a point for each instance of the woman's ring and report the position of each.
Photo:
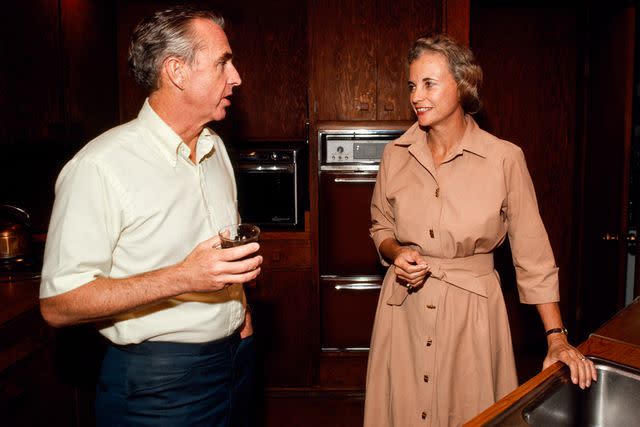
(409, 286)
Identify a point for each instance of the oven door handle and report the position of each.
(355, 180)
(261, 168)
(358, 287)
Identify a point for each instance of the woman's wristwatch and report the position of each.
(561, 330)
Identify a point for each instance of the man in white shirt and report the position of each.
(132, 245)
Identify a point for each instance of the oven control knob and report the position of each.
(340, 149)
(274, 156)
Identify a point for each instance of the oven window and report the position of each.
(266, 197)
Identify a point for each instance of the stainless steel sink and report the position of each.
(614, 400)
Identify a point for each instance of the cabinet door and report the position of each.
(343, 59)
(270, 52)
(31, 79)
(281, 304)
(399, 23)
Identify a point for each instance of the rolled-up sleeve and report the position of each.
(536, 270)
(84, 228)
(382, 217)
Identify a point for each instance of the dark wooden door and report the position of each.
(605, 179)
(358, 56)
(398, 24)
(559, 86)
(343, 59)
(530, 98)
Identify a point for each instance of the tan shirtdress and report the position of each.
(442, 354)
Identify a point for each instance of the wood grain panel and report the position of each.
(609, 85)
(268, 40)
(456, 19)
(89, 63)
(343, 59)
(31, 76)
(128, 14)
(398, 25)
(281, 306)
(308, 408)
(530, 99)
(270, 52)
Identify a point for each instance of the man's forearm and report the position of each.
(105, 298)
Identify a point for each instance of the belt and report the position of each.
(464, 273)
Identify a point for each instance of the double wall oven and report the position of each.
(350, 271)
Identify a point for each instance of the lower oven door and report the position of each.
(268, 195)
(349, 307)
(346, 249)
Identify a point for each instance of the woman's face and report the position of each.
(433, 90)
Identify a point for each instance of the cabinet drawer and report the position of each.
(348, 310)
(285, 254)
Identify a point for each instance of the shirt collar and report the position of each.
(169, 142)
(471, 140)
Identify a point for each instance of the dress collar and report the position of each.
(471, 140)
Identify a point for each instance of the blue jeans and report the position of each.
(177, 384)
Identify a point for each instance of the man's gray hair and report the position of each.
(165, 33)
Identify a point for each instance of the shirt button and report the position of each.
(429, 342)
(424, 415)
(431, 233)
(426, 378)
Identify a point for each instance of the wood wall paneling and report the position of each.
(56, 92)
(609, 85)
(281, 306)
(268, 40)
(270, 52)
(358, 54)
(31, 78)
(89, 62)
(529, 98)
(343, 59)
(396, 28)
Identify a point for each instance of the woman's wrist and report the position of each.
(560, 330)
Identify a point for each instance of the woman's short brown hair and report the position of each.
(462, 64)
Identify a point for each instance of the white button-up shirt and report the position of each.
(131, 201)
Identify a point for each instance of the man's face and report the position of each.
(212, 76)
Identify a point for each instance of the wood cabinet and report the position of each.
(269, 46)
(57, 90)
(358, 56)
(282, 304)
(271, 57)
(59, 78)
(31, 393)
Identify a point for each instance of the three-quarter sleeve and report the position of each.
(536, 270)
(84, 228)
(382, 217)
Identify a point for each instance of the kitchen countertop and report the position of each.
(18, 293)
(618, 340)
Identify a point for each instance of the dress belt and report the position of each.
(465, 273)
(474, 265)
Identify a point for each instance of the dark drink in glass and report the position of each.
(238, 235)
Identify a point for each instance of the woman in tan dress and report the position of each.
(446, 196)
